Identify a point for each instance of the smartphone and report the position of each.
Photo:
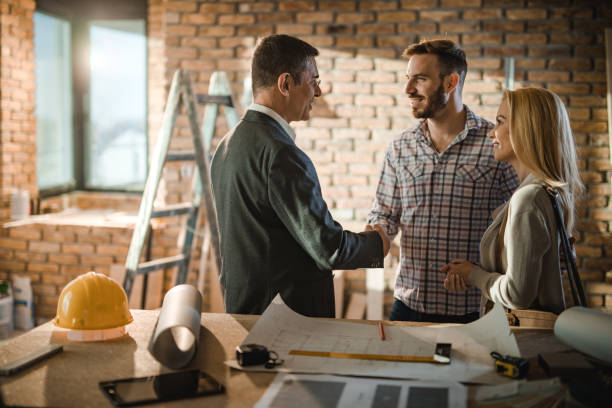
(23, 362)
(127, 392)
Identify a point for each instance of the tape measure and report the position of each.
(514, 367)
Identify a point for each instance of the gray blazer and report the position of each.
(277, 235)
(530, 276)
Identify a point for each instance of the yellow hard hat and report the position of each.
(92, 301)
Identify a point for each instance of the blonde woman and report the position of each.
(520, 250)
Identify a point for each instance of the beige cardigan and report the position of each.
(529, 257)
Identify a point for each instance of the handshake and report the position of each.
(383, 236)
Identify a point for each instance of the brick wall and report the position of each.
(17, 124)
(556, 44)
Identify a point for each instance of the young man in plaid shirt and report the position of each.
(438, 186)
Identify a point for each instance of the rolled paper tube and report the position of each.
(176, 336)
(586, 330)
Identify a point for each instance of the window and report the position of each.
(53, 101)
(91, 95)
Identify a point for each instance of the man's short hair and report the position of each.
(276, 54)
(451, 58)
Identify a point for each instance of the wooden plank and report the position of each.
(356, 307)
(375, 287)
(339, 292)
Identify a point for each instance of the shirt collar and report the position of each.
(271, 113)
(471, 122)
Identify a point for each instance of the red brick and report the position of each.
(256, 7)
(42, 267)
(482, 38)
(377, 5)
(571, 38)
(504, 51)
(395, 41)
(600, 114)
(354, 18)
(296, 6)
(12, 265)
(549, 26)
(587, 101)
(25, 233)
(526, 14)
(589, 127)
(358, 64)
(570, 64)
(420, 4)
(216, 31)
(572, 13)
(216, 8)
(294, 29)
(374, 100)
(397, 16)
(590, 77)
(380, 29)
(439, 15)
(316, 17)
(237, 19)
(337, 5)
(198, 18)
(42, 246)
(484, 63)
(590, 51)
(275, 18)
(180, 30)
(416, 28)
(526, 39)
(569, 89)
(255, 30)
(79, 248)
(180, 6)
(354, 42)
(63, 259)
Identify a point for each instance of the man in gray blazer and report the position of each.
(277, 235)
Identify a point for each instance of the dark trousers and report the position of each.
(401, 312)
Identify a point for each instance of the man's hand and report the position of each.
(457, 274)
(383, 236)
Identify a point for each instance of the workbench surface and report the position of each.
(70, 379)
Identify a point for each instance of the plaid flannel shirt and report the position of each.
(442, 203)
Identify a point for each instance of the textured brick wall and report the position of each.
(17, 124)
(558, 45)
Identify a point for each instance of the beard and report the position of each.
(436, 102)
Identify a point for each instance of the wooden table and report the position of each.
(70, 379)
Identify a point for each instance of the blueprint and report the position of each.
(328, 391)
(281, 329)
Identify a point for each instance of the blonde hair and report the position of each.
(542, 139)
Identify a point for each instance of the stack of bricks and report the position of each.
(558, 45)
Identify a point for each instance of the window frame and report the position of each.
(79, 14)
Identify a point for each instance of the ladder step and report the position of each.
(174, 209)
(160, 263)
(180, 156)
(218, 99)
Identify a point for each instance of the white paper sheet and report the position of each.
(281, 329)
(331, 391)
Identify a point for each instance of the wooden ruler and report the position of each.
(384, 357)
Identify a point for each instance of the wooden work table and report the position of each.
(70, 379)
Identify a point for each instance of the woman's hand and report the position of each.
(457, 273)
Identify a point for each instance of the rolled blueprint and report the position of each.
(586, 330)
(177, 333)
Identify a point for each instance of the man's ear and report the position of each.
(283, 83)
(452, 82)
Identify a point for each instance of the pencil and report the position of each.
(381, 330)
